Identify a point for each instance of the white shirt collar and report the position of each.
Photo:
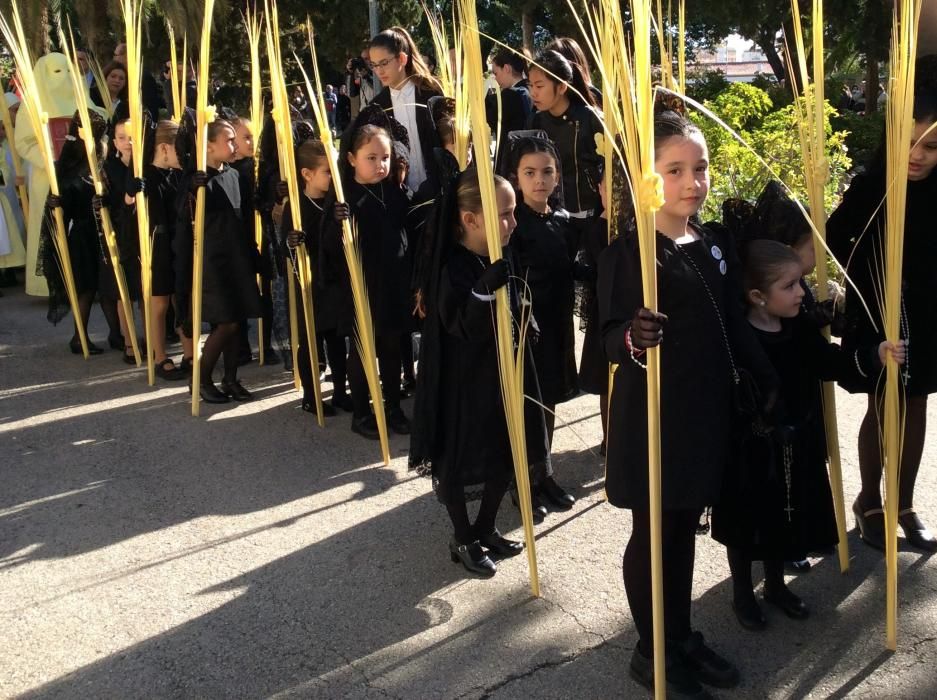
(406, 90)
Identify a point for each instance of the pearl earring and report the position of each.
(763, 303)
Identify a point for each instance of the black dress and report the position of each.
(462, 433)
(229, 285)
(696, 420)
(84, 247)
(919, 281)
(324, 296)
(123, 218)
(161, 208)
(593, 364)
(379, 212)
(545, 249)
(776, 501)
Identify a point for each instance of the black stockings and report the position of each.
(870, 456)
(678, 539)
(222, 339)
(465, 532)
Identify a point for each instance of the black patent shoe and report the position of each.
(682, 683)
(749, 613)
(788, 603)
(129, 358)
(473, 558)
(556, 494)
(539, 510)
(708, 666)
(235, 390)
(398, 421)
(210, 394)
(916, 532)
(309, 406)
(366, 427)
(501, 546)
(344, 402)
(75, 347)
(871, 524)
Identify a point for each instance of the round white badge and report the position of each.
(723, 268)
(716, 252)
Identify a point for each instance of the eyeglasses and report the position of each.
(381, 64)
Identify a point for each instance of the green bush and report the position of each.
(706, 85)
(864, 134)
(737, 172)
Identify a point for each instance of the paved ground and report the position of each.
(249, 553)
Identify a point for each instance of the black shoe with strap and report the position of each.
(871, 524)
(473, 558)
(234, 389)
(540, 511)
(556, 494)
(915, 531)
(501, 546)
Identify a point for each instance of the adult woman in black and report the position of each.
(856, 233)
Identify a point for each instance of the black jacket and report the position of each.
(573, 134)
(429, 138)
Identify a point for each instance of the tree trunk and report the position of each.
(527, 28)
(871, 86)
(766, 42)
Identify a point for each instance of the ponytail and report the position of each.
(397, 40)
(558, 69)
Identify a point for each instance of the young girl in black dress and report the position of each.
(705, 340)
(460, 431)
(162, 180)
(778, 504)
(378, 208)
(316, 180)
(229, 287)
(856, 234)
(84, 249)
(544, 244)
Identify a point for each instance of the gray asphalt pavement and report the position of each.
(248, 553)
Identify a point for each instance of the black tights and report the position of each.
(465, 532)
(85, 300)
(388, 359)
(870, 455)
(222, 339)
(331, 346)
(741, 567)
(109, 309)
(678, 541)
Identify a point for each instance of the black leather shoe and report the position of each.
(749, 613)
(129, 358)
(75, 347)
(556, 495)
(210, 394)
(309, 406)
(871, 524)
(365, 427)
(473, 558)
(343, 402)
(167, 370)
(235, 390)
(398, 421)
(501, 546)
(785, 600)
(916, 532)
(682, 684)
(539, 510)
(706, 664)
